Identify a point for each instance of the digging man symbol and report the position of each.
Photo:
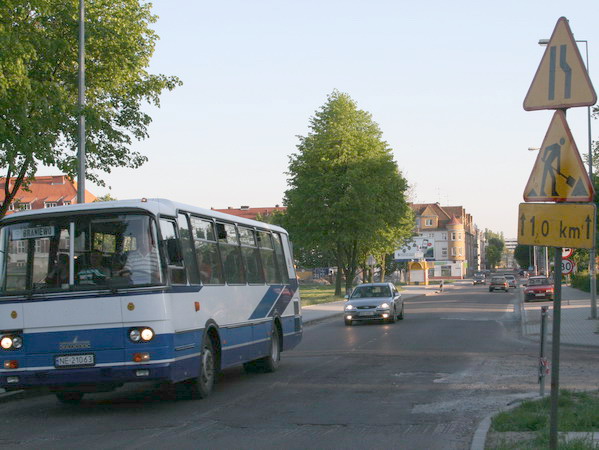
(552, 153)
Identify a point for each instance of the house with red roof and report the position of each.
(44, 192)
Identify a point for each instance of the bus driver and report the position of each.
(141, 265)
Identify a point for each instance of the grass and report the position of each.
(313, 295)
(578, 411)
(316, 294)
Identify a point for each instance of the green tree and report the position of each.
(494, 250)
(39, 86)
(105, 198)
(346, 195)
(522, 254)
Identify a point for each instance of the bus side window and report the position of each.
(172, 250)
(187, 249)
(251, 256)
(230, 252)
(281, 264)
(267, 254)
(206, 251)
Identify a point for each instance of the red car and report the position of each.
(538, 288)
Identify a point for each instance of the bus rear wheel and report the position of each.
(69, 398)
(272, 361)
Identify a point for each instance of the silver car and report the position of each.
(511, 281)
(373, 301)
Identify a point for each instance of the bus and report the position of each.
(93, 296)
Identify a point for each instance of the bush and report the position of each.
(581, 281)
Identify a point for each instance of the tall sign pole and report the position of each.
(559, 176)
(81, 105)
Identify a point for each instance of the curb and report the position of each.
(480, 434)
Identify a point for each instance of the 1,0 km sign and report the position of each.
(557, 225)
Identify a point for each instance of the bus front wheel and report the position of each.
(203, 384)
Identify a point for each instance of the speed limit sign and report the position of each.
(567, 252)
(567, 266)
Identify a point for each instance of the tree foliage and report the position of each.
(522, 255)
(39, 85)
(346, 196)
(494, 249)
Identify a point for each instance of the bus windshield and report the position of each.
(89, 251)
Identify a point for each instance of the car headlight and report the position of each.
(11, 342)
(142, 334)
(349, 307)
(384, 305)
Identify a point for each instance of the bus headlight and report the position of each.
(143, 334)
(11, 342)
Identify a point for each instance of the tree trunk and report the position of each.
(383, 267)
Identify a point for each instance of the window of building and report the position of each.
(460, 251)
(50, 204)
(431, 235)
(66, 203)
(428, 222)
(459, 236)
(453, 235)
(444, 252)
(453, 251)
(444, 236)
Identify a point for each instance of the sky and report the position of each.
(445, 81)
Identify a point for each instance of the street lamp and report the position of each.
(592, 267)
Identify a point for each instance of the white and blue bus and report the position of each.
(96, 295)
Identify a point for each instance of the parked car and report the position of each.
(538, 288)
(373, 301)
(498, 283)
(511, 281)
(479, 278)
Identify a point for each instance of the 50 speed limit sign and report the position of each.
(567, 266)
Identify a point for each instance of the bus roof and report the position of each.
(156, 206)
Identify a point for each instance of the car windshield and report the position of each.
(498, 280)
(371, 291)
(478, 275)
(91, 251)
(510, 277)
(537, 281)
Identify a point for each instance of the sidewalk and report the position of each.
(316, 313)
(575, 326)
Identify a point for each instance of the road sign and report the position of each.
(557, 225)
(567, 252)
(559, 174)
(567, 266)
(561, 80)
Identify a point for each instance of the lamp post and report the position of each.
(592, 252)
(81, 104)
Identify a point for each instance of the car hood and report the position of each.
(369, 301)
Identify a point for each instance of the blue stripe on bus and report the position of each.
(266, 303)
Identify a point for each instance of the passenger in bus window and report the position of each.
(94, 272)
(141, 264)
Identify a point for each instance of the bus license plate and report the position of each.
(74, 360)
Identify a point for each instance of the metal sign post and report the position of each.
(555, 344)
(543, 363)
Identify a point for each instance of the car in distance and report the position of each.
(538, 288)
(498, 283)
(373, 301)
(511, 281)
(479, 278)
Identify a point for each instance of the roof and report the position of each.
(155, 206)
(252, 213)
(51, 188)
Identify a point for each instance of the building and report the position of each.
(44, 192)
(457, 250)
(252, 213)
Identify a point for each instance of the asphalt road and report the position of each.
(424, 382)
